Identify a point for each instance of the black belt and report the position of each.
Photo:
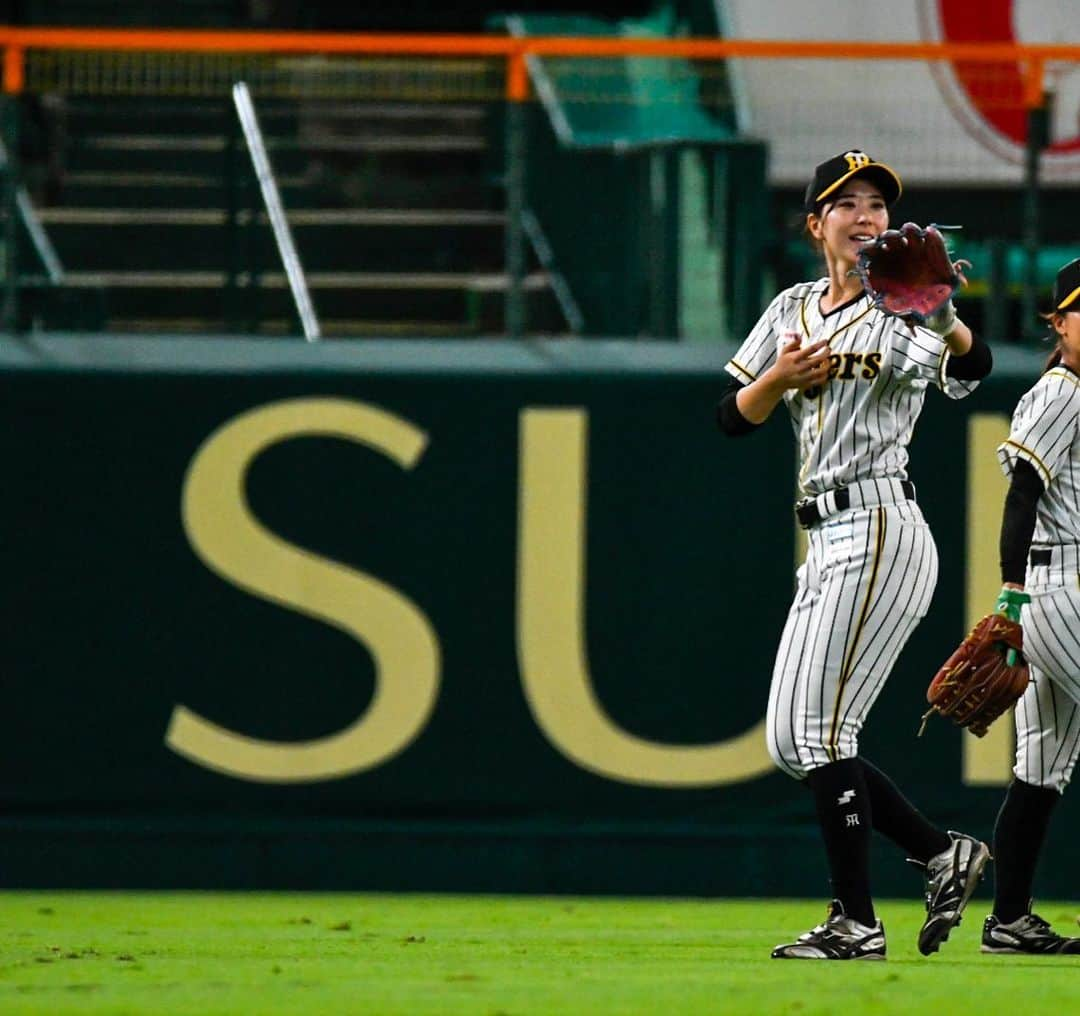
(1041, 556)
(807, 511)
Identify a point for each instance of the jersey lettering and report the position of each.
(850, 360)
(842, 368)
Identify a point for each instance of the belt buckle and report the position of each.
(800, 507)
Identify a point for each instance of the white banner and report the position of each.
(936, 123)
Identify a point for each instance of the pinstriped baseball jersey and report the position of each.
(856, 426)
(1045, 433)
(1048, 715)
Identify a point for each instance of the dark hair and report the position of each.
(802, 227)
(1055, 354)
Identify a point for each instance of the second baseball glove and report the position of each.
(984, 677)
(908, 272)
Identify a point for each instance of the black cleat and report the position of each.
(839, 938)
(951, 878)
(1027, 934)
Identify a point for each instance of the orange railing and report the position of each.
(15, 41)
(1019, 76)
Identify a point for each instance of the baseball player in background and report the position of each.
(1040, 571)
(853, 380)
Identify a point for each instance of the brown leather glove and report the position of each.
(908, 272)
(982, 679)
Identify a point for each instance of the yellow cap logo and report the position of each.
(856, 160)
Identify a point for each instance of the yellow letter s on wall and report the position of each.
(234, 544)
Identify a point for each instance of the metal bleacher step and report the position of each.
(208, 153)
(331, 329)
(480, 281)
(203, 117)
(361, 142)
(305, 217)
(356, 304)
(358, 239)
(164, 189)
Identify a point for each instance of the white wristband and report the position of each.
(943, 320)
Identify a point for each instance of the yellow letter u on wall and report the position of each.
(551, 628)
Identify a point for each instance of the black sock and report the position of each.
(1018, 838)
(843, 810)
(898, 819)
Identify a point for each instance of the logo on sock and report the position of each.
(846, 797)
(852, 819)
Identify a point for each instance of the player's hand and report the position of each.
(801, 367)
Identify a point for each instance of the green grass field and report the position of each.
(199, 953)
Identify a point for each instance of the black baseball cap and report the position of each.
(834, 172)
(1067, 287)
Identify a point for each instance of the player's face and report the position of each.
(857, 216)
(1067, 326)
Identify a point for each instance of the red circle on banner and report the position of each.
(995, 90)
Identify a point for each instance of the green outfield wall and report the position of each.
(436, 616)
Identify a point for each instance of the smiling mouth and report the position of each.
(863, 238)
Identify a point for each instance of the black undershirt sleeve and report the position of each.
(1018, 521)
(728, 417)
(974, 365)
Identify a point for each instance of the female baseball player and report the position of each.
(1042, 516)
(853, 380)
